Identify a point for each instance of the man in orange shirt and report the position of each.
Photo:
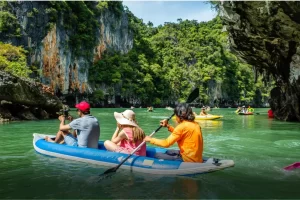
(187, 134)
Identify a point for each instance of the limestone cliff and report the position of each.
(53, 49)
(267, 35)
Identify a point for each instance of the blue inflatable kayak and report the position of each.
(149, 164)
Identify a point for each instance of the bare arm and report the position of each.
(121, 136)
(115, 133)
(174, 137)
(62, 125)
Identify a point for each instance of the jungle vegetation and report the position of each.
(168, 61)
(164, 65)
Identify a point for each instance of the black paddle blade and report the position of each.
(107, 174)
(194, 95)
(111, 170)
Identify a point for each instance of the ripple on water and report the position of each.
(221, 138)
(288, 143)
(11, 157)
(159, 117)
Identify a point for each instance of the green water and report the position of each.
(260, 148)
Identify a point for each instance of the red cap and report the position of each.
(83, 106)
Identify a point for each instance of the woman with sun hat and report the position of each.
(127, 136)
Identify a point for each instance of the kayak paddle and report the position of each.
(293, 166)
(193, 95)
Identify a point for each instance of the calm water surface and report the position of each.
(260, 148)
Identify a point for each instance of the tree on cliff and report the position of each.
(13, 60)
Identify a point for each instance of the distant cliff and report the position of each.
(65, 38)
(266, 35)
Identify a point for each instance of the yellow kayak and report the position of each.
(206, 117)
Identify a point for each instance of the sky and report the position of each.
(159, 12)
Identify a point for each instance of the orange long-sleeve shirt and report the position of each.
(188, 135)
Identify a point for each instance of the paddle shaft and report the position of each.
(138, 147)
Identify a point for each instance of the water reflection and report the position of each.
(4, 122)
(164, 187)
(215, 124)
(247, 121)
(187, 188)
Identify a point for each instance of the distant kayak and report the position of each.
(206, 117)
(150, 109)
(249, 113)
(169, 108)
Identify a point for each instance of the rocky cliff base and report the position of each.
(23, 99)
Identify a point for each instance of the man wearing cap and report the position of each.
(86, 126)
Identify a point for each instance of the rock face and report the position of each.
(50, 48)
(23, 99)
(266, 34)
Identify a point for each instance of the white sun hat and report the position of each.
(126, 118)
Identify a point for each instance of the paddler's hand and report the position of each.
(70, 118)
(61, 118)
(119, 126)
(147, 139)
(164, 123)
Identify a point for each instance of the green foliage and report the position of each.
(9, 24)
(116, 7)
(168, 61)
(35, 11)
(102, 5)
(97, 96)
(30, 14)
(13, 60)
(80, 19)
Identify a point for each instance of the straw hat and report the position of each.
(126, 118)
